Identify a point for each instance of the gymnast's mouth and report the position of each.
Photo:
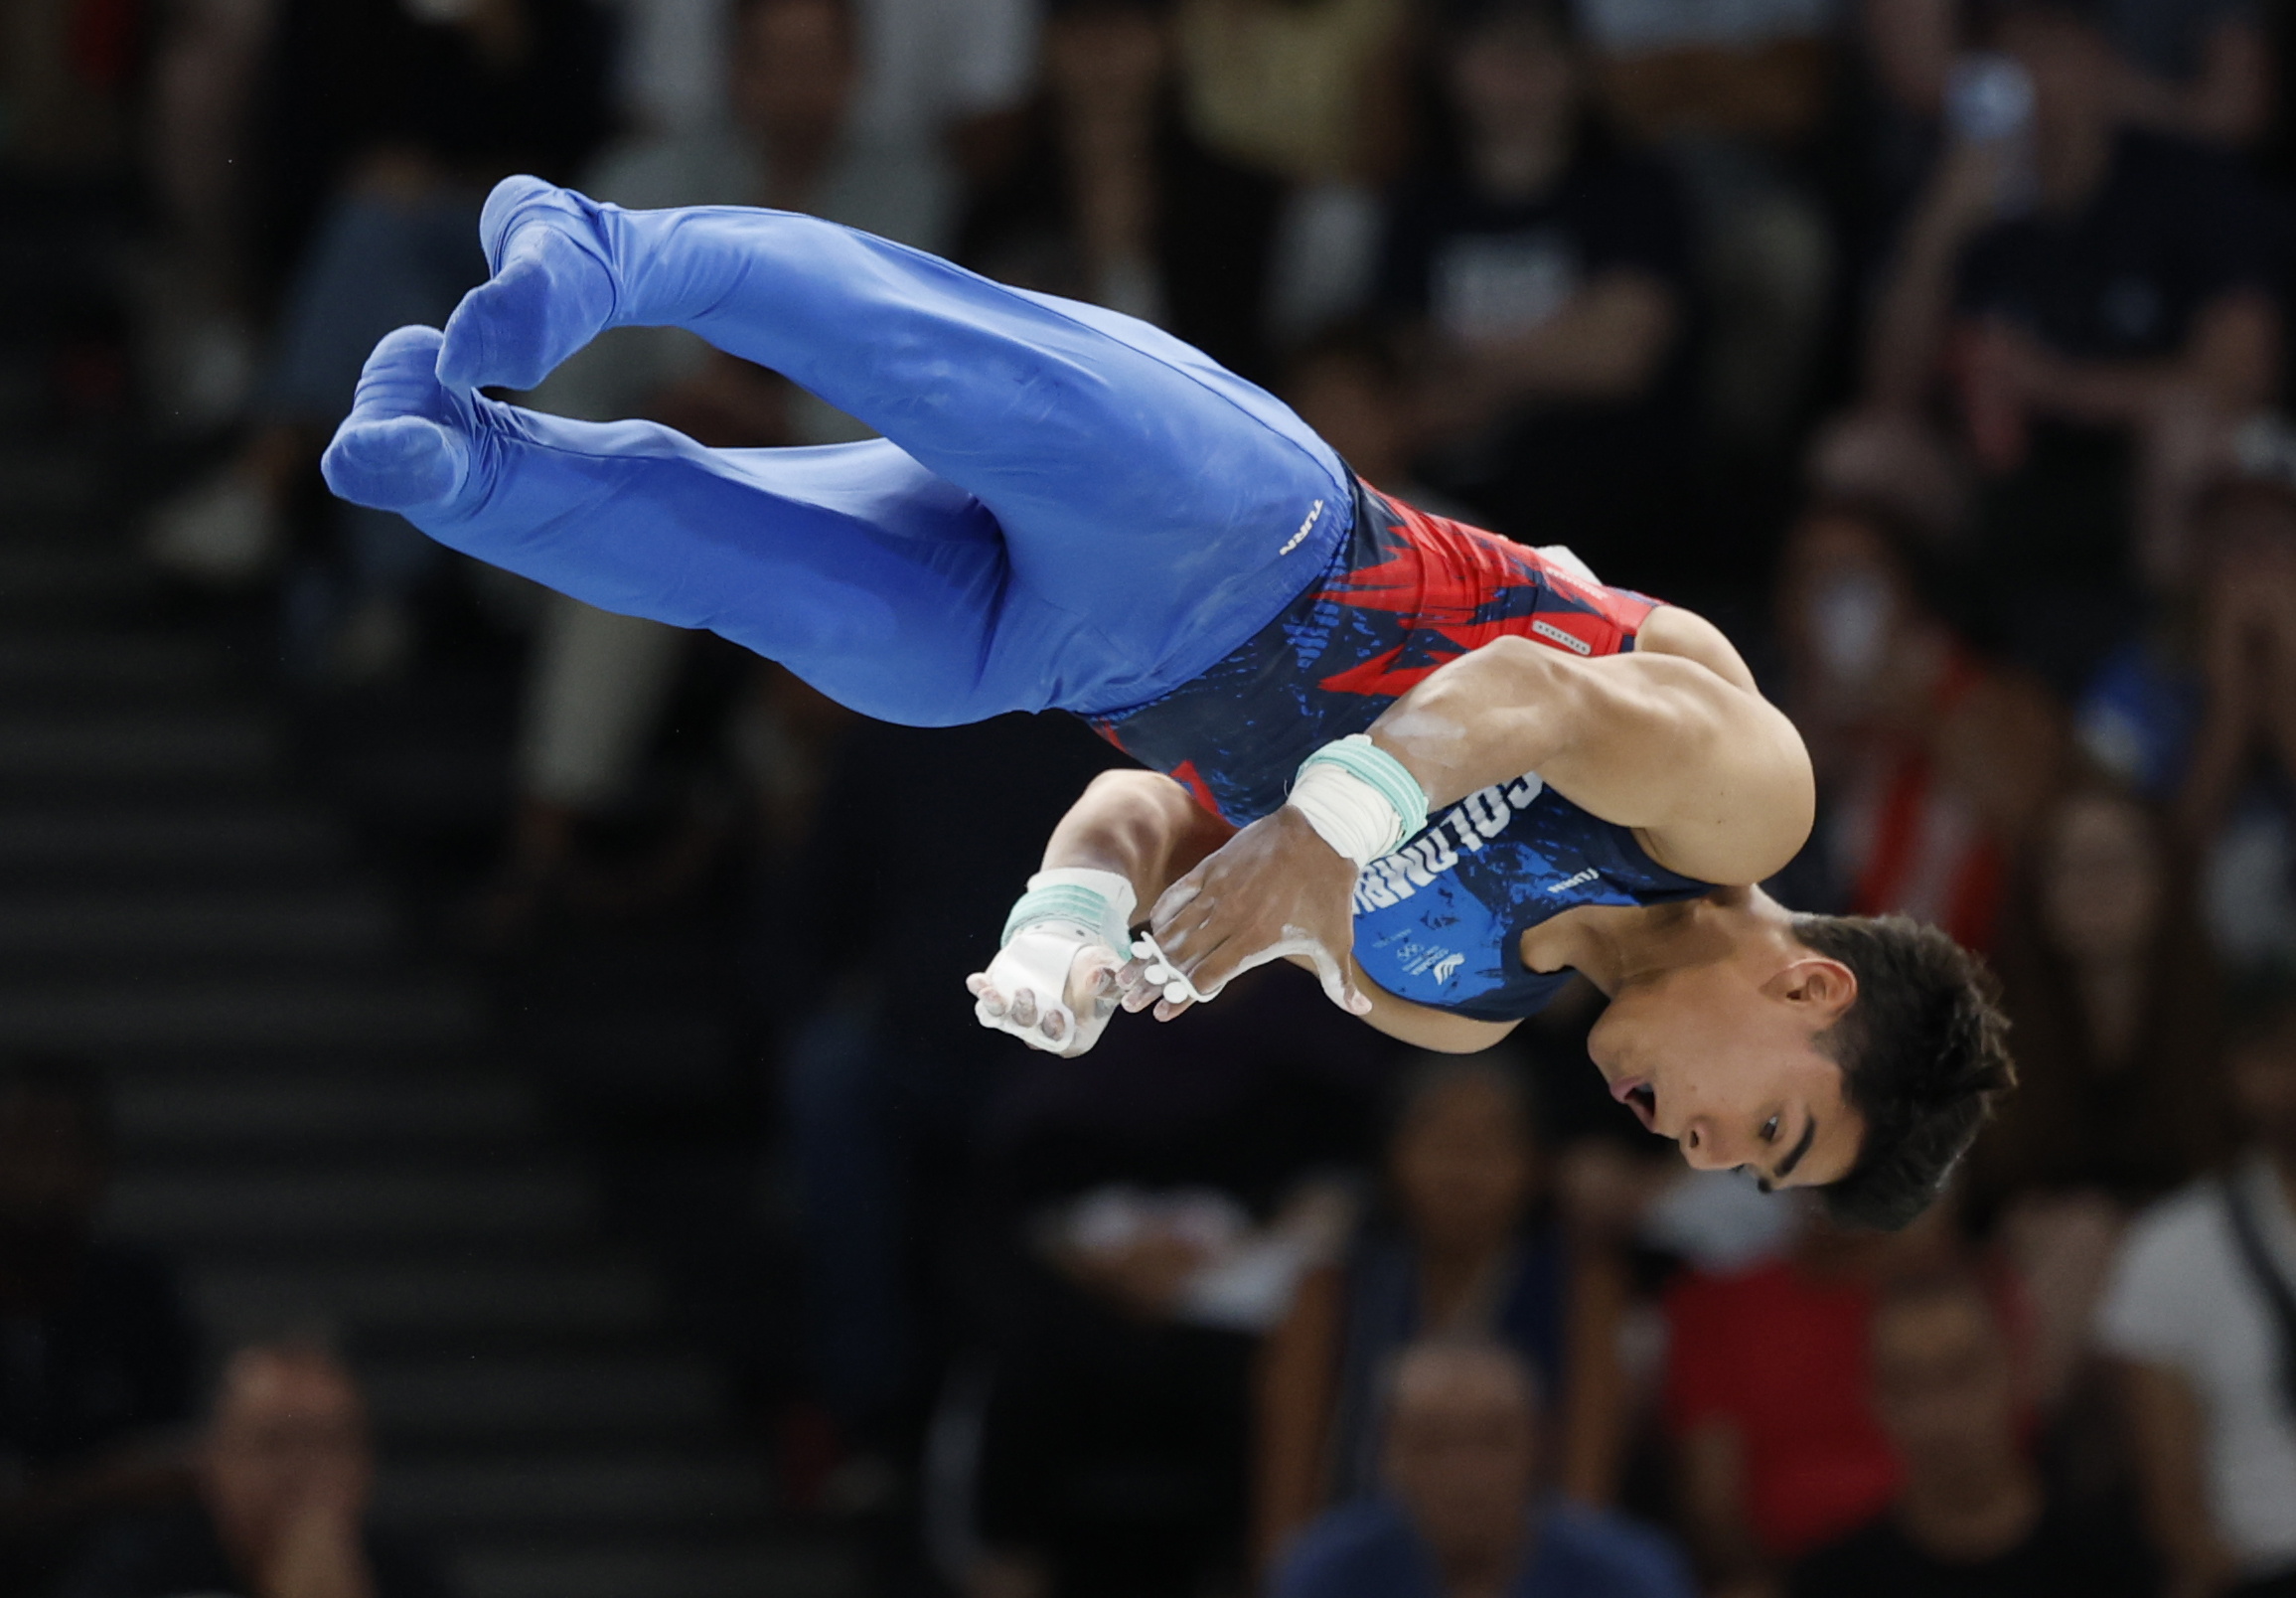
(1641, 1097)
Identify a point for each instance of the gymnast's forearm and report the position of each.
(1142, 826)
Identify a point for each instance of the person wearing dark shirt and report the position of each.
(95, 1351)
(2165, 234)
(1463, 1515)
(1974, 1517)
(1465, 1243)
(2088, 287)
(285, 1474)
(1546, 284)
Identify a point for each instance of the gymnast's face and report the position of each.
(1723, 1056)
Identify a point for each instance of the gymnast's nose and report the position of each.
(1701, 1143)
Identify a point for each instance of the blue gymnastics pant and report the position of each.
(1068, 509)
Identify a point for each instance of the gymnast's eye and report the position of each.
(1769, 1130)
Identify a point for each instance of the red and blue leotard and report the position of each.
(1439, 921)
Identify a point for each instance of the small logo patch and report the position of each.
(1447, 967)
(1555, 635)
(1580, 880)
(1299, 537)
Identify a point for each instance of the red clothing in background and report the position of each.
(1781, 1357)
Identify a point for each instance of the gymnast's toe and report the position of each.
(395, 463)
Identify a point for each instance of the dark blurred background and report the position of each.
(487, 1102)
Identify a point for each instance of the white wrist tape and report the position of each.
(1100, 903)
(1360, 799)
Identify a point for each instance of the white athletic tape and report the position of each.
(1100, 901)
(1159, 968)
(1067, 912)
(1360, 799)
(1040, 961)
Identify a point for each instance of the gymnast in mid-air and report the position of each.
(1440, 769)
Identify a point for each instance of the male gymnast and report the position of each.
(1443, 770)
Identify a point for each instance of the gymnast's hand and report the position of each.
(553, 289)
(1053, 986)
(1276, 890)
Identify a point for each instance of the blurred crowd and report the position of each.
(1937, 348)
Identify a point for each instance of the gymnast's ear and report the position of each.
(1818, 984)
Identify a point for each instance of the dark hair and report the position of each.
(70, 1080)
(1923, 1053)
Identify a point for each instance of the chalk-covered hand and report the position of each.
(1273, 891)
(1064, 964)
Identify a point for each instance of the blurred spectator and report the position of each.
(947, 77)
(1168, 1203)
(1932, 762)
(1210, 165)
(2085, 284)
(1302, 107)
(1547, 286)
(670, 64)
(1463, 1513)
(390, 123)
(205, 55)
(1673, 69)
(99, 1352)
(2199, 67)
(599, 684)
(1904, 51)
(2109, 983)
(2201, 1315)
(2193, 713)
(2239, 799)
(1120, 203)
(285, 1475)
(1207, 165)
(1974, 1517)
(1349, 383)
(882, 1088)
(1736, 96)
(1768, 1398)
(1468, 1245)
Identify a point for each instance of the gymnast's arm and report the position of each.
(1672, 739)
(1149, 831)
(1141, 825)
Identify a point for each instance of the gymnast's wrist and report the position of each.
(1360, 799)
(1099, 902)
